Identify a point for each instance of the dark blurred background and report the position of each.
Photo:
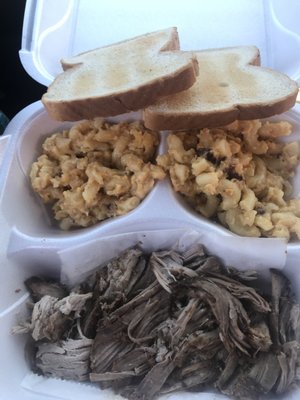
(17, 88)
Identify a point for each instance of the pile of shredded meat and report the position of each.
(150, 324)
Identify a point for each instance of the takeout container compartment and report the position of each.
(30, 386)
(31, 244)
(28, 147)
(34, 232)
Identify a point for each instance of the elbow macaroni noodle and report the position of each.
(238, 174)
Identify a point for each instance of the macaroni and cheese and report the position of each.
(238, 174)
(96, 170)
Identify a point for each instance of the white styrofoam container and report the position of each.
(58, 28)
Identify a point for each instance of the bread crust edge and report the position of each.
(184, 121)
(132, 100)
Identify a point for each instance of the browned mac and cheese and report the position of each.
(96, 170)
(239, 174)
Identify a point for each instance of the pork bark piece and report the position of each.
(195, 374)
(122, 274)
(231, 363)
(112, 286)
(278, 287)
(117, 336)
(39, 287)
(208, 344)
(285, 316)
(233, 320)
(109, 342)
(167, 266)
(152, 383)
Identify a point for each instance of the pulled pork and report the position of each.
(146, 325)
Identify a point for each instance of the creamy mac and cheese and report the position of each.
(96, 170)
(239, 174)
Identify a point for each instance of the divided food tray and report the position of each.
(34, 239)
(30, 244)
(36, 246)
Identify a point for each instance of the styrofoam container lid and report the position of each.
(60, 28)
(55, 29)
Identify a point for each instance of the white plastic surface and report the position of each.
(29, 244)
(55, 29)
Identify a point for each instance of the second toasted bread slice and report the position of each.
(231, 85)
(122, 77)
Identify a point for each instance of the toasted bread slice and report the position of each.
(122, 77)
(231, 85)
